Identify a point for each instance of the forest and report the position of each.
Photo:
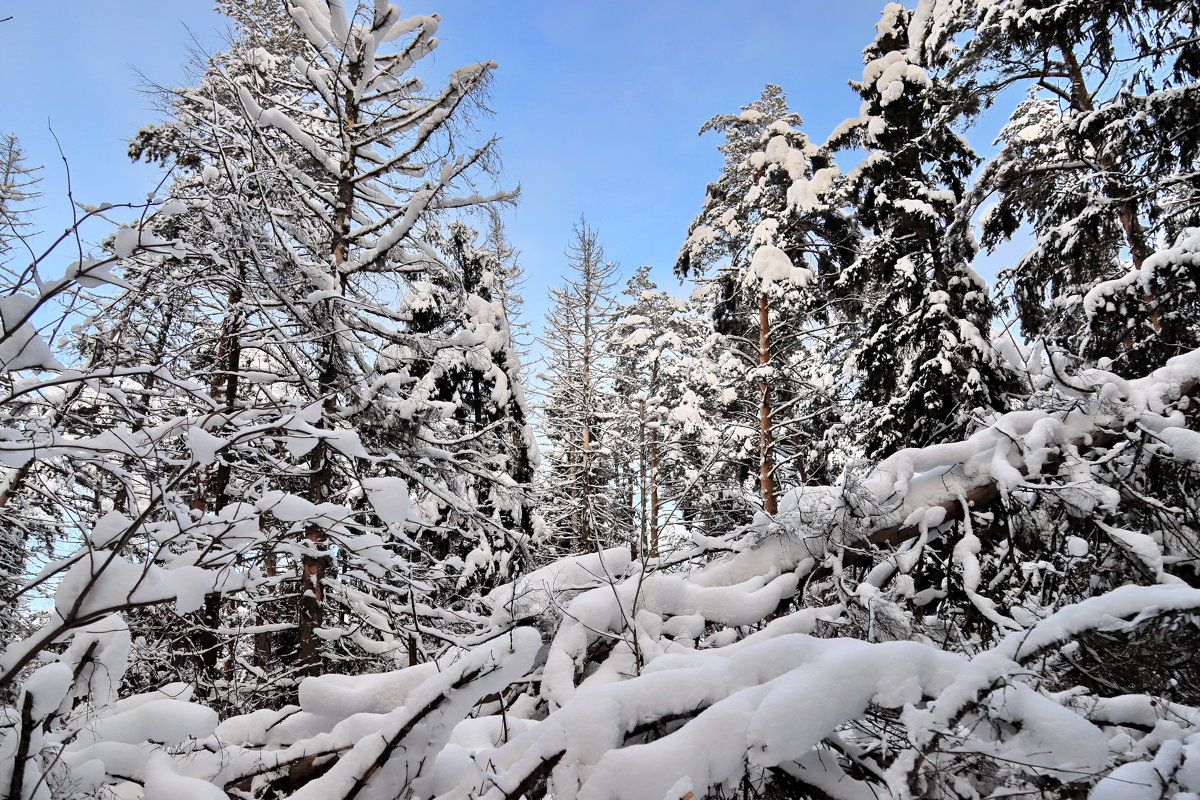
(295, 503)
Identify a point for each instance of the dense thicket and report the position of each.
(274, 523)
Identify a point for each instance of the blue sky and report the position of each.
(598, 104)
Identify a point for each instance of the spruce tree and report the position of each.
(577, 499)
(923, 361)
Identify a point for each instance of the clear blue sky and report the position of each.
(598, 104)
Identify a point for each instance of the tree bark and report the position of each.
(643, 542)
(1135, 232)
(654, 470)
(314, 564)
(766, 444)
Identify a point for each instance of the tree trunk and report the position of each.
(314, 565)
(263, 642)
(585, 488)
(643, 541)
(766, 444)
(654, 470)
(1135, 232)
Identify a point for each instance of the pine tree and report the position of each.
(772, 215)
(1095, 162)
(578, 475)
(924, 361)
(510, 282)
(17, 182)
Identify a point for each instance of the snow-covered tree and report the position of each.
(1097, 162)
(267, 374)
(481, 380)
(17, 182)
(17, 188)
(923, 361)
(510, 282)
(659, 405)
(320, 180)
(577, 498)
(731, 670)
(768, 233)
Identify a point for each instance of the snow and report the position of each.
(166, 721)
(109, 528)
(103, 582)
(48, 687)
(428, 719)
(701, 671)
(389, 498)
(810, 194)
(772, 266)
(1184, 443)
(204, 445)
(344, 695)
(535, 592)
(20, 346)
(1142, 547)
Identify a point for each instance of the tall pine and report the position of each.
(767, 237)
(1098, 163)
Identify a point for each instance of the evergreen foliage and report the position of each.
(768, 239)
(577, 499)
(1096, 161)
(924, 361)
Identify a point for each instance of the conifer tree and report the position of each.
(772, 216)
(656, 341)
(509, 284)
(481, 382)
(319, 181)
(1096, 161)
(576, 495)
(923, 360)
(17, 182)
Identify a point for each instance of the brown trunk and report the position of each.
(1135, 233)
(654, 471)
(766, 445)
(629, 503)
(314, 564)
(212, 483)
(14, 482)
(654, 492)
(643, 539)
(209, 643)
(16, 786)
(585, 505)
